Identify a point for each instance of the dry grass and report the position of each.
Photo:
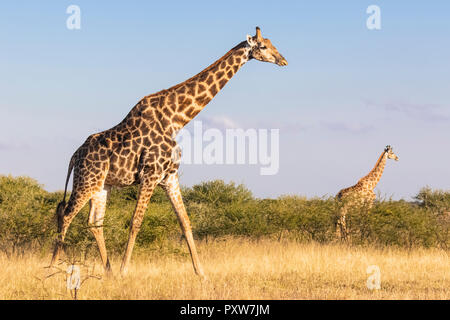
(240, 269)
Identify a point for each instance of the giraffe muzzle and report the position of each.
(282, 62)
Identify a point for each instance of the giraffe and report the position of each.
(142, 150)
(361, 194)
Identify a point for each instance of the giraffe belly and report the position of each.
(123, 170)
(121, 179)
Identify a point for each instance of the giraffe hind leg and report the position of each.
(65, 216)
(84, 187)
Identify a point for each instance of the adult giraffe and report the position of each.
(361, 193)
(139, 150)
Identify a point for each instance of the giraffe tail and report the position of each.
(69, 171)
(62, 205)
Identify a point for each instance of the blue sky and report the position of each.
(346, 93)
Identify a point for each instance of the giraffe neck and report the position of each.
(374, 176)
(181, 103)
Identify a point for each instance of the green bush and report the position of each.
(25, 214)
(398, 223)
(306, 219)
(218, 209)
(217, 192)
(438, 203)
(436, 200)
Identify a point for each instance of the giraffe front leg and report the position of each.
(344, 231)
(145, 193)
(341, 227)
(172, 188)
(96, 216)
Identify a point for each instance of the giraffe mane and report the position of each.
(380, 158)
(207, 69)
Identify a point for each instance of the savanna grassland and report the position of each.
(251, 248)
(243, 269)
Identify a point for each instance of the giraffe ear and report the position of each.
(251, 41)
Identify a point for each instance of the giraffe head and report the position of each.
(262, 49)
(390, 153)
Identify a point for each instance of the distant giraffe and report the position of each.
(361, 193)
(142, 150)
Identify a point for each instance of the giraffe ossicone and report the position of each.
(142, 150)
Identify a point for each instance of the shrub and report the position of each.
(218, 209)
(217, 192)
(437, 200)
(25, 214)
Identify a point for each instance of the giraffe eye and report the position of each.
(263, 47)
